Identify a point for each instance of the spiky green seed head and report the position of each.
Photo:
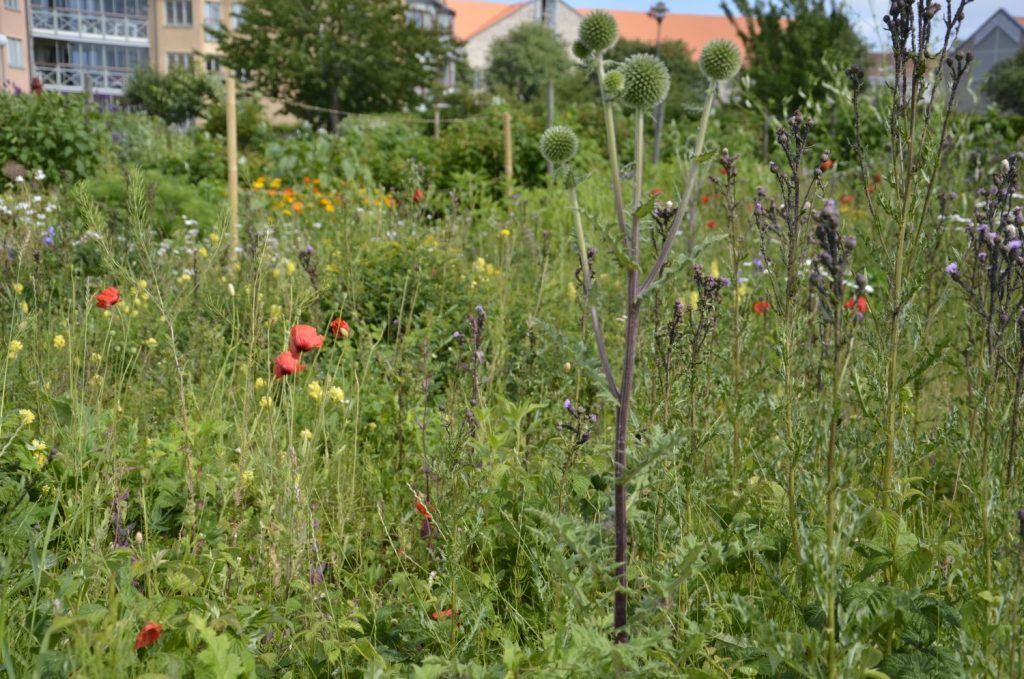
(645, 81)
(580, 51)
(720, 59)
(558, 144)
(614, 82)
(598, 31)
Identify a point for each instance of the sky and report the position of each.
(867, 13)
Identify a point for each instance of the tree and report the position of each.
(688, 85)
(791, 47)
(318, 56)
(1005, 83)
(523, 61)
(177, 97)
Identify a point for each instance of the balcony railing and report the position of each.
(73, 78)
(83, 24)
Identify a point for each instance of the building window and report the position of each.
(236, 15)
(179, 60)
(14, 56)
(211, 19)
(179, 12)
(11, 5)
(212, 65)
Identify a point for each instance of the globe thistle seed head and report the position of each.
(614, 82)
(645, 81)
(598, 31)
(580, 51)
(720, 60)
(558, 144)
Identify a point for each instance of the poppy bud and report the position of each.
(340, 328)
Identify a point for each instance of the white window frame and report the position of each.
(211, 22)
(12, 5)
(178, 13)
(179, 60)
(15, 53)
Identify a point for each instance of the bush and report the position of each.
(59, 134)
(177, 97)
(147, 142)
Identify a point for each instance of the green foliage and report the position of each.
(148, 142)
(350, 55)
(177, 97)
(58, 134)
(251, 123)
(789, 44)
(1004, 83)
(526, 59)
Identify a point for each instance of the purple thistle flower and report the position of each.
(952, 269)
(567, 404)
(1014, 245)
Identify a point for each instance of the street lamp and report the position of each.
(3, 70)
(658, 12)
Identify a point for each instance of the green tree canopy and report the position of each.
(1005, 83)
(523, 61)
(177, 97)
(360, 56)
(791, 46)
(688, 84)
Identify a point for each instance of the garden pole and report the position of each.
(507, 124)
(437, 123)
(232, 169)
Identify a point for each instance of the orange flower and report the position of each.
(287, 363)
(305, 338)
(148, 635)
(417, 195)
(439, 615)
(761, 307)
(711, 223)
(826, 165)
(339, 327)
(847, 199)
(108, 298)
(422, 509)
(861, 304)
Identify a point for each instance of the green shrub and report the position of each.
(176, 97)
(58, 134)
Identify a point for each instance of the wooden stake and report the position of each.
(437, 123)
(232, 169)
(507, 120)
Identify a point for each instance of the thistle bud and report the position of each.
(598, 31)
(646, 81)
(558, 144)
(720, 60)
(614, 83)
(580, 51)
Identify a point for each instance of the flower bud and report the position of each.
(720, 60)
(558, 144)
(598, 31)
(646, 81)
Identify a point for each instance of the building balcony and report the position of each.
(81, 25)
(104, 80)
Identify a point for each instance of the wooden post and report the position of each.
(232, 169)
(507, 124)
(551, 116)
(437, 123)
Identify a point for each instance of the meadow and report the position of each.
(382, 438)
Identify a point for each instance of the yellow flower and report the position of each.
(266, 402)
(260, 384)
(143, 284)
(215, 238)
(692, 298)
(314, 390)
(27, 417)
(306, 435)
(714, 268)
(23, 306)
(337, 394)
(328, 208)
(95, 358)
(276, 183)
(18, 288)
(96, 380)
(13, 349)
(504, 233)
(37, 445)
(275, 311)
(572, 291)
(259, 183)
(741, 291)
(480, 265)
(247, 477)
(202, 251)
(289, 266)
(41, 458)
(184, 278)
(151, 343)
(59, 342)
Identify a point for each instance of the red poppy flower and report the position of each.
(705, 199)
(422, 509)
(861, 304)
(846, 199)
(287, 363)
(148, 635)
(417, 195)
(878, 178)
(339, 328)
(438, 615)
(711, 223)
(305, 338)
(826, 165)
(761, 307)
(107, 298)
(655, 193)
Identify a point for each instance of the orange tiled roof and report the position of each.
(696, 30)
(472, 16)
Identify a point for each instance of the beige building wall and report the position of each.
(179, 32)
(478, 46)
(16, 67)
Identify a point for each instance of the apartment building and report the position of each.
(15, 74)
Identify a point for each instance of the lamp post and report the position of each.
(3, 56)
(658, 12)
